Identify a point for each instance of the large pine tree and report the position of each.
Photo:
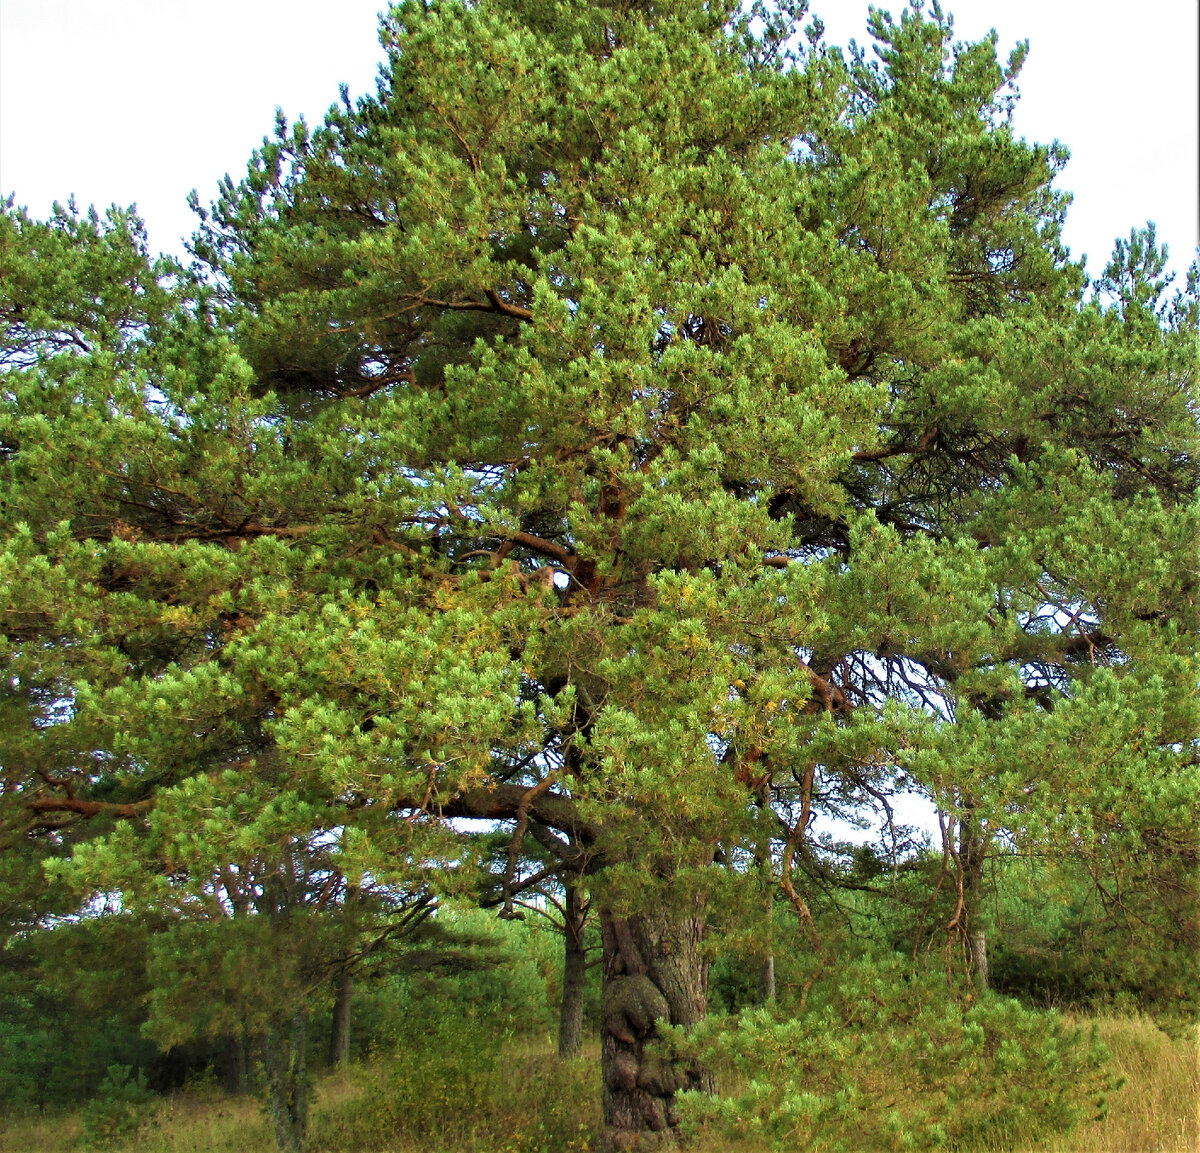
(634, 423)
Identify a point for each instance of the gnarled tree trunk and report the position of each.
(653, 971)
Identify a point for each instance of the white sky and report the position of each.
(141, 100)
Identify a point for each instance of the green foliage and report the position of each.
(640, 425)
(121, 1105)
(454, 1052)
(71, 1007)
(498, 970)
(887, 1058)
(1119, 932)
(450, 1079)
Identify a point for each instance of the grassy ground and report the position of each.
(527, 1102)
(1158, 1110)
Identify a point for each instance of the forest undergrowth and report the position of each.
(520, 1098)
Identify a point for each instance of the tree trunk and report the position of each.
(653, 970)
(973, 848)
(339, 1039)
(236, 1064)
(285, 1056)
(570, 1022)
(762, 861)
(979, 963)
(766, 979)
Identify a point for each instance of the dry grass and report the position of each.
(189, 1122)
(1157, 1111)
(207, 1123)
(49, 1132)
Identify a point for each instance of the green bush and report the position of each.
(122, 1104)
(888, 1059)
(454, 1082)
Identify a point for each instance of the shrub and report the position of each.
(888, 1059)
(454, 1082)
(121, 1106)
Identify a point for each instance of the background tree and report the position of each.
(555, 891)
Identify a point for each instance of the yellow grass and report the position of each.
(1157, 1110)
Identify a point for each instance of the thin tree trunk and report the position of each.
(285, 1056)
(979, 962)
(762, 860)
(766, 979)
(339, 1039)
(972, 854)
(653, 970)
(570, 1022)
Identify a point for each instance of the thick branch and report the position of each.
(90, 808)
(569, 855)
(558, 552)
(926, 442)
(502, 802)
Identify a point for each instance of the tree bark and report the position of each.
(972, 854)
(339, 1038)
(285, 1054)
(762, 861)
(570, 1022)
(236, 1063)
(766, 979)
(979, 962)
(653, 971)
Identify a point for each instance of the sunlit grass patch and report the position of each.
(1158, 1108)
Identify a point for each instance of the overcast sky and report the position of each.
(141, 100)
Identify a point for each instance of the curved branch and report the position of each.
(514, 848)
(494, 303)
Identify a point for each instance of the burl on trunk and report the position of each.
(653, 971)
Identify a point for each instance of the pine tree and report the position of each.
(635, 423)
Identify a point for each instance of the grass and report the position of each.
(185, 1122)
(521, 1099)
(1158, 1110)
